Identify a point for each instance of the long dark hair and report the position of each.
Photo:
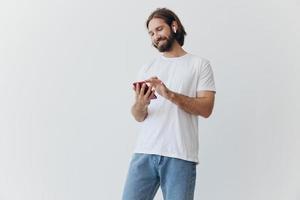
(169, 16)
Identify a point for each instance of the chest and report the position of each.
(178, 76)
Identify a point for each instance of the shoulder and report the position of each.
(198, 59)
(200, 63)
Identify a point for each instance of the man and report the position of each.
(166, 153)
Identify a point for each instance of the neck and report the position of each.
(175, 51)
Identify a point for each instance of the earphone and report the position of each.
(174, 29)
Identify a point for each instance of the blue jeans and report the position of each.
(147, 172)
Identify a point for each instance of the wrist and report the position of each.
(140, 107)
(170, 95)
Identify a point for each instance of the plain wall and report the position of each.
(66, 69)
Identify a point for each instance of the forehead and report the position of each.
(155, 22)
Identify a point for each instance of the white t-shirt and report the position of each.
(168, 130)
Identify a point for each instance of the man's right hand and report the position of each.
(142, 100)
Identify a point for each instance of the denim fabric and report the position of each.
(147, 172)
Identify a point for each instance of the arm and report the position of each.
(201, 105)
(139, 112)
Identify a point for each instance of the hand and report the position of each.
(159, 86)
(142, 99)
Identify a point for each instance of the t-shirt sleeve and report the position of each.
(206, 78)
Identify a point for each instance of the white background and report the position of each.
(66, 69)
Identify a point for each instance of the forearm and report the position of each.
(139, 112)
(194, 105)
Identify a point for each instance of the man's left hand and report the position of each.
(159, 86)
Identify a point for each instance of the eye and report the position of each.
(150, 33)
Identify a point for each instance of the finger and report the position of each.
(142, 91)
(148, 91)
(150, 84)
(154, 81)
(134, 89)
(149, 80)
(137, 88)
(151, 95)
(152, 78)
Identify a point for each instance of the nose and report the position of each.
(156, 37)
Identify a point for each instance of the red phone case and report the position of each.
(146, 88)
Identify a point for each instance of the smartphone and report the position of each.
(153, 96)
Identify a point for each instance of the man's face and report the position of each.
(161, 36)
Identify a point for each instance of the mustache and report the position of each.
(160, 39)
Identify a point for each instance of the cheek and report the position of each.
(165, 35)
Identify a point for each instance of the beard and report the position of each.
(167, 45)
